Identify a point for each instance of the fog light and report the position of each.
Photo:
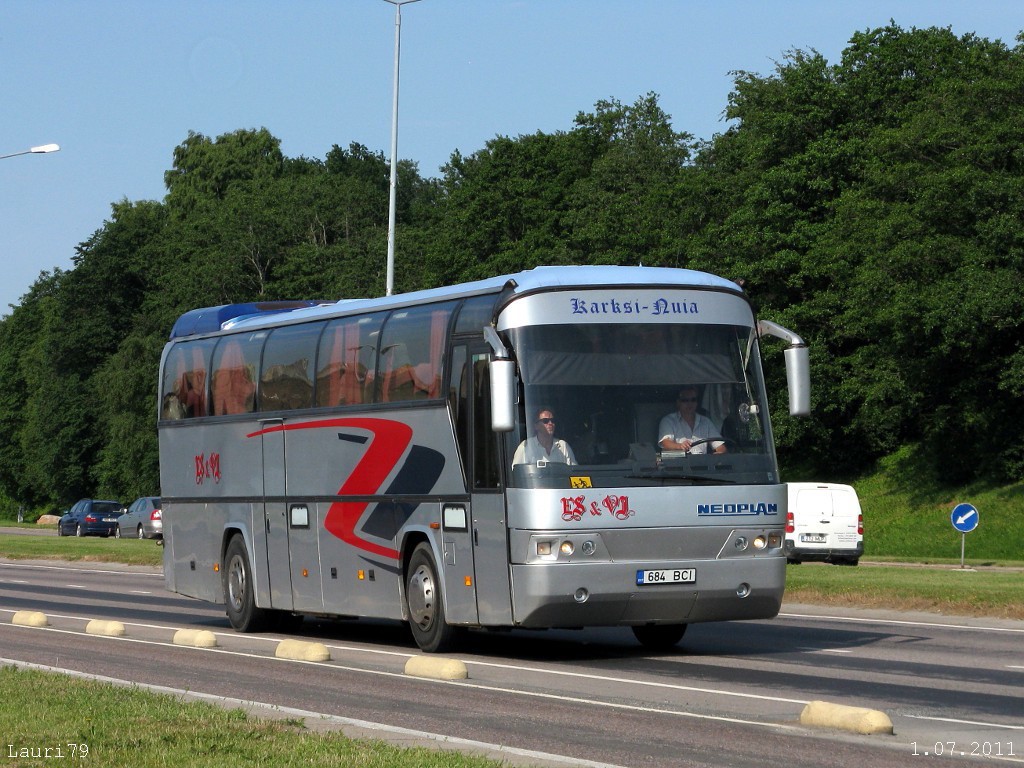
(543, 548)
(588, 547)
(580, 595)
(760, 542)
(567, 548)
(741, 543)
(743, 590)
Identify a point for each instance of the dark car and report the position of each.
(143, 519)
(91, 517)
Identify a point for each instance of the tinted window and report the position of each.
(286, 380)
(345, 367)
(185, 377)
(412, 353)
(235, 361)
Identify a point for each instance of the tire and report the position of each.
(659, 637)
(238, 586)
(60, 531)
(141, 533)
(117, 532)
(424, 603)
(78, 530)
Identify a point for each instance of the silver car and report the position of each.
(143, 520)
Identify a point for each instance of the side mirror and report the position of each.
(798, 367)
(502, 395)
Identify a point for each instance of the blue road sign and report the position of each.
(964, 518)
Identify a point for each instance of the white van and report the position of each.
(824, 523)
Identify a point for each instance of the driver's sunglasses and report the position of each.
(546, 421)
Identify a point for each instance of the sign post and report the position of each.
(965, 519)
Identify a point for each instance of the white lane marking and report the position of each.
(497, 688)
(322, 716)
(13, 581)
(632, 681)
(105, 571)
(898, 622)
(139, 592)
(966, 722)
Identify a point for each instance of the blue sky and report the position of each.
(119, 83)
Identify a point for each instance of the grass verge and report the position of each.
(101, 725)
(991, 592)
(86, 549)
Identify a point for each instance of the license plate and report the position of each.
(666, 576)
(813, 538)
(109, 519)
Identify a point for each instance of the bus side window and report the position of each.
(184, 381)
(412, 353)
(345, 361)
(234, 373)
(286, 379)
(486, 471)
(458, 402)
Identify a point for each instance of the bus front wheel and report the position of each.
(659, 637)
(239, 597)
(424, 600)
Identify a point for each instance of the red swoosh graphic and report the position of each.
(388, 444)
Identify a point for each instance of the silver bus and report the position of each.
(372, 457)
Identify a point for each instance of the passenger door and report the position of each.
(275, 513)
(485, 537)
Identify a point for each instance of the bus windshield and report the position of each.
(594, 398)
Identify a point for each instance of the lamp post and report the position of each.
(41, 150)
(394, 149)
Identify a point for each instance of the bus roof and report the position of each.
(261, 314)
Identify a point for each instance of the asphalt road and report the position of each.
(731, 694)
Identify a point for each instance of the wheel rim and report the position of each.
(117, 532)
(422, 596)
(78, 531)
(236, 583)
(141, 534)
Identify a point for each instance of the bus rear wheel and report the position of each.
(659, 637)
(424, 599)
(239, 597)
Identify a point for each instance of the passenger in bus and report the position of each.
(679, 430)
(544, 446)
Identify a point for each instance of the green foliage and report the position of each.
(873, 205)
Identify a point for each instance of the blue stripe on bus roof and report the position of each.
(213, 319)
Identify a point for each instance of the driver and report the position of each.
(686, 430)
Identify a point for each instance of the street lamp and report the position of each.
(394, 148)
(41, 150)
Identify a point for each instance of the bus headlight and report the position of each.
(567, 548)
(544, 548)
(588, 547)
(774, 540)
(760, 542)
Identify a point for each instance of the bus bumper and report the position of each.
(606, 594)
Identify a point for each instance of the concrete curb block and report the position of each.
(30, 619)
(302, 650)
(854, 719)
(105, 628)
(197, 638)
(436, 668)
